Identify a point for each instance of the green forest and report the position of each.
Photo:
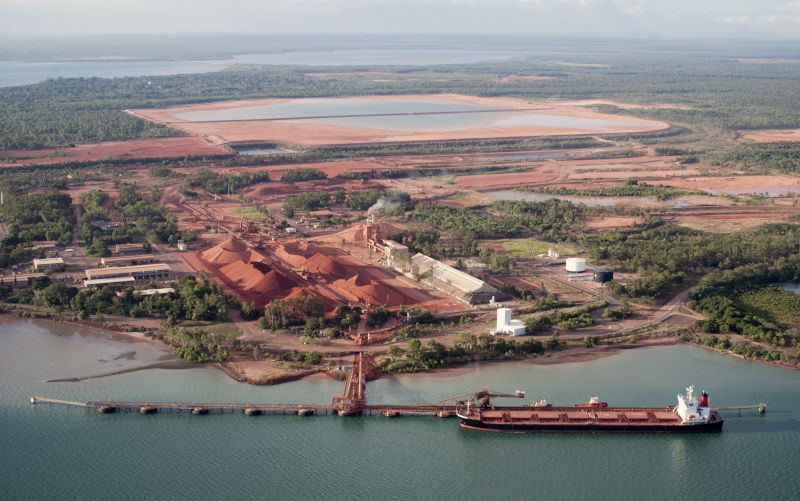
(708, 86)
(34, 217)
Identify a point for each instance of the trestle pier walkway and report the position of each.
(351, 403)
(761, 408)
(113, 406)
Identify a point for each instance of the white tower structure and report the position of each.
(507, 326)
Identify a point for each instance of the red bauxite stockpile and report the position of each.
(246, 272)
(351, 278)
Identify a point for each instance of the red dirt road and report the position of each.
(137, 148)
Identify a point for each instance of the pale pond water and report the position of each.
(57, 452)
(400, 115)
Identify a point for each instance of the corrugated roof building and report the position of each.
(452, 280)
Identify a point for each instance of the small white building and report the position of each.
(507, 326)
(47, 264)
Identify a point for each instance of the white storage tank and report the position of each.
(576, 264)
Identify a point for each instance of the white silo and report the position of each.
(576, 264)
(503, 318)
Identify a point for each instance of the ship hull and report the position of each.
(713, 425)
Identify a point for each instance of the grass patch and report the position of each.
(249, 213)
(227, 331)
(524, 248)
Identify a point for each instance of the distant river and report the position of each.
(22, 73)
(50, 451)
(379, 57)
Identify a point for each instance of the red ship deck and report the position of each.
(571, 415)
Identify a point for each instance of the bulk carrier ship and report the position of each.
(690, 415)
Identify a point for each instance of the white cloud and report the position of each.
(634, 10)
(734, 20)
(582, 18)
(790, 7)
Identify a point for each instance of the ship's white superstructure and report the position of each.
(690, 409)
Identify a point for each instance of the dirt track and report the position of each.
(141, 148)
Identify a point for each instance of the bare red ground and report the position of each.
(609, 222)
(479, 181)
(759, 181)
(764, 215)
(355, 234)
(771, 136)
(141, 148)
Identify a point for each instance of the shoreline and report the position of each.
(565, 356)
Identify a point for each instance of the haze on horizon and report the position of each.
(659, 19)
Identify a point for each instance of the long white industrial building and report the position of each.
(463, 282)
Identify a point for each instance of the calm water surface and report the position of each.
(382, 57)
(329, 107)
(22, 73)
(398, 115)
(776, 190)
(56, 452)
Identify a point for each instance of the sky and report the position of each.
(682, 19)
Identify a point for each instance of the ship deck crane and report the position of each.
(484, 395)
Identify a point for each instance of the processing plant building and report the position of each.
(455, 282)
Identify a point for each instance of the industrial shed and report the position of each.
(460, 284)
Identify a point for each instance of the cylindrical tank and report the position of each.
(603, 275)
(576, 264)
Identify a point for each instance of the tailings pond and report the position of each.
(401, 115)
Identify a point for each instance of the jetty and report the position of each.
(351, 403)
(761, 408)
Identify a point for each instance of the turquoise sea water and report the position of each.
(57, 452)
